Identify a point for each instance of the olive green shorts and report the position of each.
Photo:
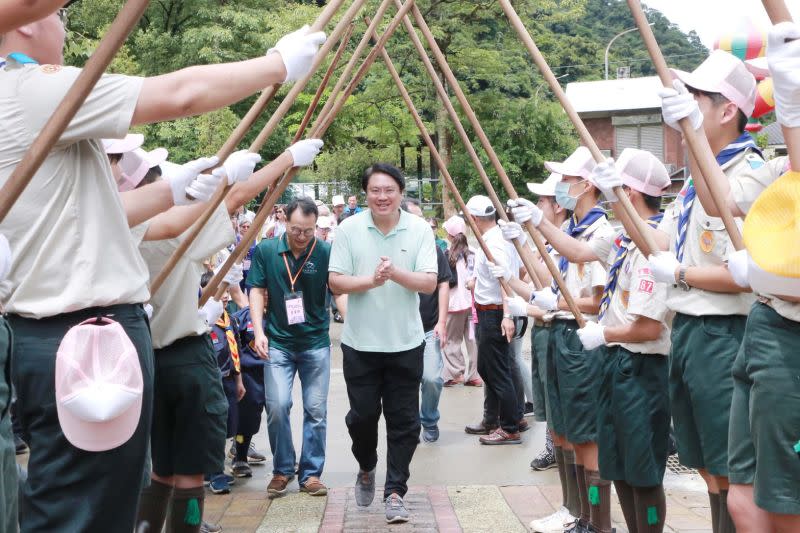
(701, 387)
(8, 464)
(633, 417)
(539, 338)
(190, 411)
(765, 415)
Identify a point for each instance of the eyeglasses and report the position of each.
(63, 15)
(296, 232)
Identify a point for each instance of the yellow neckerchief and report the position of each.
(225, 323)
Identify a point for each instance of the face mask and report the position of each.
(563, 198)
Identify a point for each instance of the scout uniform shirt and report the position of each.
(582, 278)
(636, 294)
(175, 304)
(707, 244)
(68, 230)
(745, 188)
(225, 343)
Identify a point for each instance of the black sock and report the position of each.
(583, 495)
(186, 514)
(548, 442)
(726, 524)
(627, 502)
(651, 509)
(599, 496)
(573, 496)
(153, 503)
(242, 446)
(713, 500)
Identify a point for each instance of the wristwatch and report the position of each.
(507, 315)
(682, 279)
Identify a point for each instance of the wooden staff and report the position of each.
(697, 141)
(634, 225)
(321, 125)
(269, 128)
(109, 45)
(778, 12)
(506, 289)
(523, 250)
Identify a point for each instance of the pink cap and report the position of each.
(723, 73)
(99, 385)
(135, 164)
(130, 142)
(455, 225)
(643, 172)
(579, 163)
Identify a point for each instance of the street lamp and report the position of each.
(614, 39)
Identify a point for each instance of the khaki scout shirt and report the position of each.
(745, 188)
(582, 278)
(68, 232)
(175, 304)
(707, 244)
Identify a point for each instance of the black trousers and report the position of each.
(388, 381)
(494, 366)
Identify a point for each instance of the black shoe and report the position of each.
(480, 428)
(338, 318)
(430, 434)
(19, 445)
(544, 461)
(528, 409)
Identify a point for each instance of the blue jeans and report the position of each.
(314, 368)
(431, 382)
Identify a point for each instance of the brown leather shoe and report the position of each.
(277, 486)
(474, 383)
(499, 436)
(479, 429)
(523, 426)
(454, 382)
(314, 487)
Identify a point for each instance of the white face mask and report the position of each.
(563, 197)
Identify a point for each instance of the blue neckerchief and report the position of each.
(575, 229)
(740, 144)
(619, 260)
(20, 58)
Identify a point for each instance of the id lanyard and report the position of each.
(293, 279)
(295, 312)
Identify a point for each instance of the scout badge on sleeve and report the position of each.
(98, 385)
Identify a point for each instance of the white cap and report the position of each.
(337, 200)
(547, 188)
(643, 172)
(130, 142)
(480, 206)
(135, 164)
(324, 222)
(580, 163)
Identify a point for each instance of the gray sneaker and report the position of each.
(395, 509)
(365, 488)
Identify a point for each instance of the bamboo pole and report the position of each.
(696, 141)
(319, 128)
(109, 45)
(633, 223)
(262, 138)
(523, 250)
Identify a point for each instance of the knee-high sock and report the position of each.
(153, 503)
(558, 453)
(548, 442)
(187, 510)
(627, 502)
(573, 491)
(713, 500)
(726, 524)
(599, 496)
(651, 509)
(242, 447)
(583, 495)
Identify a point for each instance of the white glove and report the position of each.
(148, 309)
(592, 335)
(498, 271)
(784, 66)
(517, 306)
(738, 267)
(512, 231)
(304, 152)
(297, 50)
(5, 257)
(238, 167)
(525, 210)
(663, 265)
(203, 187)
(605, 177)
(679, 103)
(182, 177)
(211, 311)
(545, 299)
(235, 274)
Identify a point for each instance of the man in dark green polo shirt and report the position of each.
(289, 278)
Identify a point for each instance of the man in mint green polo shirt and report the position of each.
(289, 278)
(381, 259)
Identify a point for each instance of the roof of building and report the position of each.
(774, 134)
(607, 97)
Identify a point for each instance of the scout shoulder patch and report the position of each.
(50, 69)
(707, 241)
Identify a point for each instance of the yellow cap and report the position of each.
(772, 227)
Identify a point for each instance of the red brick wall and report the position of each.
(602, 132)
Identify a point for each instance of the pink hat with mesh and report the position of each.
(136, 163)
(99, 385)
(130, 142)
(455, 225)
(643, 172)
(726, 74)
(580, 163)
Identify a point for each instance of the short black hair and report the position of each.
(151, 177)
(653, 202)
(304, 204)
(405, 202)
(720, 99)
(384, 168)
(206, 277)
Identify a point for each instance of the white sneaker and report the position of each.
(555, 523)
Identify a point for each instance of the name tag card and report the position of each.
(294, 308)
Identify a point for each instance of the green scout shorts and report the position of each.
(701, 387)
(555, 414)
(190, 409)
(8, 464)
(765, 415)
(577, 375)
(539, 338)
(633, 417)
